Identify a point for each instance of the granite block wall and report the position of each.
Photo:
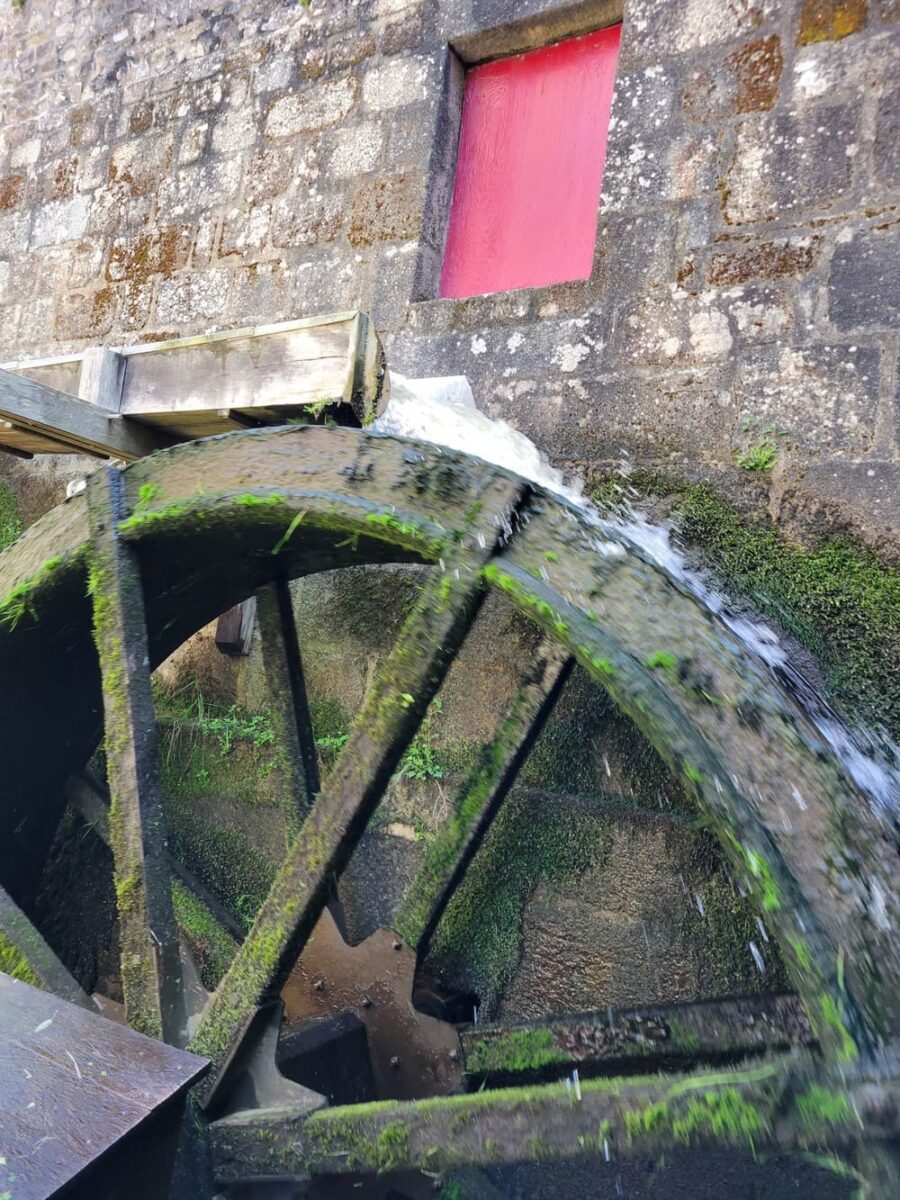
(179, 167)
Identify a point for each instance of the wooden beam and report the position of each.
(151, 962)
(83, 427)
(25, 955)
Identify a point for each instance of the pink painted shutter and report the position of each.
(530, 166)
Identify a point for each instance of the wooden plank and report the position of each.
(387, 722)
(479, 798)
(72, 1084)
(83, 428)
(286, 686)
(102, 377)
(656, 1037)
(24, 952)
(151, 965)
(789, 1103)
(234, 628)
(281, 367)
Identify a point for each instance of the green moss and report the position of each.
(14, 963)
(478, 940)
(823, 1106)
(252, 500)
(838, 599)
(20, 601)
(519, 1050)
(10, 516)
(663, 659)
(213, 946)
(724, 1115)
(830, 1016)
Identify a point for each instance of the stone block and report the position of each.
(314, 108)
(136, 305)
(386, 209)
(394, 84)
(84, 314)
(826, 397)
(887, 138)
(656, 31)
(830, 20)
(12, 189)
(864, 283)
(188, 298)
(634, 254)
(245, 231)
(274, 74)
(199, 187)
(307, 219)
(357, 149)
(261, 293)
(747, 80)
(764, 260)
(151, 252)
(788, 162)
(657, 168)
(678, 329)
(269, 172)
(60, 221)
(857, 496)
(137, 167)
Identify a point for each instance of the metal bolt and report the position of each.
(398, 945)
(395, 1062)
(454, 1056)
(319, 985)
(367, 1003)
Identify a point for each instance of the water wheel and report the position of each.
(101, 590)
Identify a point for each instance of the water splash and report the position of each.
(443, 411)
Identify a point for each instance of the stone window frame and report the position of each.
(532, 32)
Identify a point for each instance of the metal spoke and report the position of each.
(479, 798)
(287, 695)
(390, 716)
(150, 959)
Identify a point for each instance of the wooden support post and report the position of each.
(151, 966)
(287, 691)
(25, 955)
(234, 629)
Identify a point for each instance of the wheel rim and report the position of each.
(204, 525)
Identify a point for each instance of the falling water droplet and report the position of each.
(757, 958)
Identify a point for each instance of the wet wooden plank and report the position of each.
(36, 408)
(72, 1084)
(775, 1103)
(655, 1037)
(20, 939)
(151, 965)
(480, 796)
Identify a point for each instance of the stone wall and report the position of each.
(172, 168)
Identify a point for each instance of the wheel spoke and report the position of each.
(478, 800)
(151, 965)
(775, 1103)
(287, 695)
(650, 1039)
(390, 716)
(23, 947)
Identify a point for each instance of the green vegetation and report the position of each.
(14, 963)
(20, 601)
(10, 517)
(478, 939)
(229, 724)
(421, 760)
(823, 1106)
(213, 946)
(838, 599)
(663, 659)
(761, 457)
(518, 1050)
(724, 1115)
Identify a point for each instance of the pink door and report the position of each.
(530, 166)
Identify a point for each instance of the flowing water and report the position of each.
(443, 411)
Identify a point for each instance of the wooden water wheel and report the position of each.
(100, 591)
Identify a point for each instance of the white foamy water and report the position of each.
(443, 411)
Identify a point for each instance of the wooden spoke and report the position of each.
(773, 1103)
(287, 695)
(151, 965)
(478, 800)
(670, 1037)
(25, 955)
(390, 716)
